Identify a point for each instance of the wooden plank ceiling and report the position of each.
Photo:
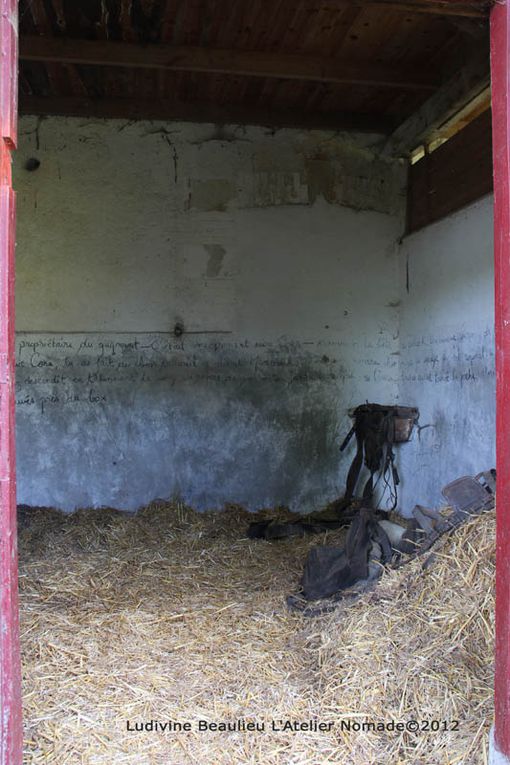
(341, 64)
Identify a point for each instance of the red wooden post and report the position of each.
(10, 687)
(500, 50)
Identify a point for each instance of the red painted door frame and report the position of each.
(500, 82)
(10, 686)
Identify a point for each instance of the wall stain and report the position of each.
(213, 194)
(216, 254)
(174, 156)
(320, 179)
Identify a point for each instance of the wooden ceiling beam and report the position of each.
(128, 33)
(43, 26)
(451, 98)
(222, 61)
(60, 17)
(159, 109)
(458, 8)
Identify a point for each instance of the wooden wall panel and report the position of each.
(457, 173)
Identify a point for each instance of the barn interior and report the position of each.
(236, 222)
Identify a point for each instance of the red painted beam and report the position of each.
(500, 51)
(9, 70)
(11, 742)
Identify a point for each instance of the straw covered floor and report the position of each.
(175, 616)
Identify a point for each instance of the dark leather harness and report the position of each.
(377, 428)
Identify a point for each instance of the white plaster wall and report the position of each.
(276, 250)
(447, 351)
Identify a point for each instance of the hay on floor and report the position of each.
(172, 615)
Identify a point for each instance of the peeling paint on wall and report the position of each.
(214, 194)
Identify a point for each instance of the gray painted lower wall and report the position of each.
(447, 351)
(121, 419)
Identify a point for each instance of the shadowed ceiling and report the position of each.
(312, 63)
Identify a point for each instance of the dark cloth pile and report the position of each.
(373, 540)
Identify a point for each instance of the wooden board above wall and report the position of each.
(454, 175)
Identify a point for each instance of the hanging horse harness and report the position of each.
(377, 428)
